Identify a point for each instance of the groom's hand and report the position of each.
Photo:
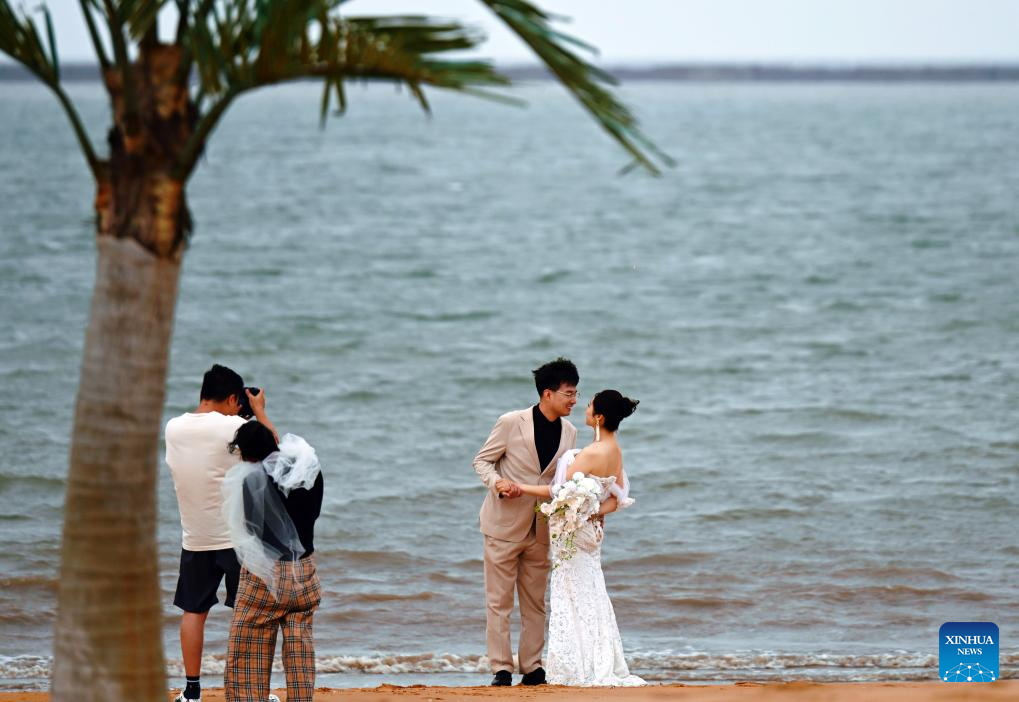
(507, 488)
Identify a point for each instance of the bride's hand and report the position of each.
(507, 488)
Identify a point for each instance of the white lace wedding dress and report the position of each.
(584, 648)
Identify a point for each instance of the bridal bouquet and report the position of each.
(576, 500)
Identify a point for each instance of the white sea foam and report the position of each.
(659, 666)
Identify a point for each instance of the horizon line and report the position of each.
(699, 70)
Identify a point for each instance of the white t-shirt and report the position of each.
(196, 451)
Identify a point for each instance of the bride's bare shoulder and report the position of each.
(594, 459)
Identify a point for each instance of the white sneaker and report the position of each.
(181, 698)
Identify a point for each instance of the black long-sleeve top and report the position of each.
(303, 505)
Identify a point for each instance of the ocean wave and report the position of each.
(361, 396)
(853, 414)
(771, 660)
(895, 572)
(552, 276)
(29, 582)
(741, 513)
(27, 620)
(893, 594)
(660, 666)
(444, 577)
(705, 602)
(34, 480)
(345, 559)
(374, 597)
(458, 492)
(800, 438)
(900, 594)
(30, 667)
(470, 316)
(659, 560)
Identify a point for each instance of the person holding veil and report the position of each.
(270, 502)
(584, 647)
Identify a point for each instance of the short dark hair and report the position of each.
(254, 441)
(554, 374)
(220, 383)
(614, 406)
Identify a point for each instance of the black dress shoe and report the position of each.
(535, 677)
(502, 677)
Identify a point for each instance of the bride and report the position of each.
(584, 647)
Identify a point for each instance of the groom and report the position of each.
(523, 447)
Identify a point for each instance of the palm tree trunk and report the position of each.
(108, 643)
(108, 639)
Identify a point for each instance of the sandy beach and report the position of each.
(739, 692)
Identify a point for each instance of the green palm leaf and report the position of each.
(584, 80)
(243, 45)
(139, 15)
(240, 46)
(20, 39)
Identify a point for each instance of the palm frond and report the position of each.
(87, 8)
(139, 15)
(20, 39)
(243, 45)
(51, 38)
(239, 46)
(584, 80)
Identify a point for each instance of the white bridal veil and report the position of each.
(260, 528)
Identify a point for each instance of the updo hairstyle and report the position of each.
(614, 406)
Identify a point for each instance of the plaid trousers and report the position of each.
(257, 617)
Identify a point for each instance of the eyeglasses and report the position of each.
(568, 395)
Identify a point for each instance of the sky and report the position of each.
(661, 31)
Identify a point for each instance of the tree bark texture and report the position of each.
(108, 642)
(108, 639)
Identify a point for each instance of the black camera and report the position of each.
(245, 410)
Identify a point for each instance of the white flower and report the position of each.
(578, 476)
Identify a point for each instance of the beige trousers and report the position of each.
(524, 566)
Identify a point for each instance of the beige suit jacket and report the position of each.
(510, 453)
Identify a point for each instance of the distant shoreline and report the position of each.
(697, 72)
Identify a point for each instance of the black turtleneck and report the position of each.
(547, 436)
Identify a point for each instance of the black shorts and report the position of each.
(200, 575)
